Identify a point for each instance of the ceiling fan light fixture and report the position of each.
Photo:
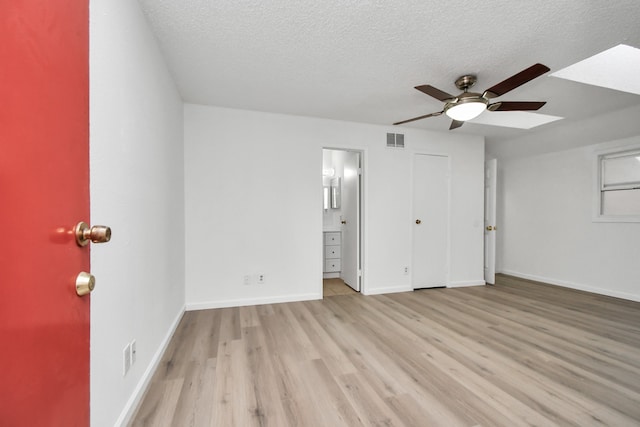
(469, 105)
(466, 109)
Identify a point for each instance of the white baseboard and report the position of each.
(572, 285)
(465, 283)
(133, 402)
(395, 289)
(387, 290)
(251, 301)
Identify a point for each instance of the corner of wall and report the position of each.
(138, 393)
(135, 110)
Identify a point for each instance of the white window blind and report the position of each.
(619, 185)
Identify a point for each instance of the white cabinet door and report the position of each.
(331, 238)
(332, 252)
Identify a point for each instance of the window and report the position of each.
(618, 186)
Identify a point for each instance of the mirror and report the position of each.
(335, 193)
(325, 198)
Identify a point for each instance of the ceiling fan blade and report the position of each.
(418, 118)
(436, 93)
(515, 106)
(516, 80)
(455, 124)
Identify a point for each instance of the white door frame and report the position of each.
(411, 220)
(363, 211)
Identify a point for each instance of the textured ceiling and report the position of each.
(359, 60)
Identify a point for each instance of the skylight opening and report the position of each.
(613, 69)
(515, 119)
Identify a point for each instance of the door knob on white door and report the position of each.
(418, 222)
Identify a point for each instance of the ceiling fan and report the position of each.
(469, 105)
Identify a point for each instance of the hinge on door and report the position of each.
(359, 273)
(359, 171)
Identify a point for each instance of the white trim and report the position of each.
(609, 218)
(134, 400)
(466, 283)
(389, 290)
(572, 285)
(252, 301)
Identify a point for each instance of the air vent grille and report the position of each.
(395, 140)
(391, 140)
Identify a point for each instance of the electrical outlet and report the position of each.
(247, 279)
(133, 352)
(406, 270)
(126, 359)
(260, 279)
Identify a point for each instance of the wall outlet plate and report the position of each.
(133, 352)
(260, 279)
(126, 359)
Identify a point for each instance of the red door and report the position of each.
(44, 192)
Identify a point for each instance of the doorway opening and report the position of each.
(342, 180)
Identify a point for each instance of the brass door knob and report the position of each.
(96, 234)
(85, 283)
(418, 222)
(343, 221)
(490, 228)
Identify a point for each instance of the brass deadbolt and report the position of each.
(85, 283)
(96, 234)
(418, 222)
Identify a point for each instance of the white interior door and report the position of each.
(490, 183)
(430, 221)
(351, 220)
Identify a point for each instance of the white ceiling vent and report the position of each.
(395, 140)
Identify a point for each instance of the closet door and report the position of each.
(430, 221)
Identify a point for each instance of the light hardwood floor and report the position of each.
(518, 353)
(333, 287)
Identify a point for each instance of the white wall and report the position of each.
(137, 187)
(545, 225)
(253, 204)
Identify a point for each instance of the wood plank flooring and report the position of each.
(333, 287)
(519, 353)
